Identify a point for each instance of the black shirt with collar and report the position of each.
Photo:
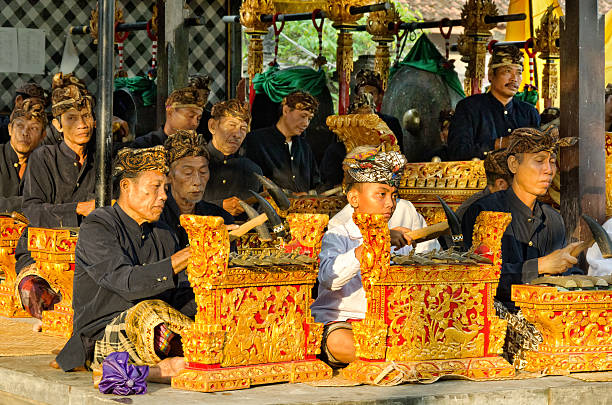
(294, 170)
(230, 176)
(480, 119)
(530, 235)
(153, 138)
(53, 184)
(171, 216)
(118, 264)
(10, 196)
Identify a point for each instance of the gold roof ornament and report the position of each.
(362, 129)
(377, 25)
(472, 43)
(546, 38)
(250, 13)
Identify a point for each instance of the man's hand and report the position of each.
(85, 207)
(400, 237)
(122, 129)
(558, 261)
(180, 260)
(232, 205)
(231, 227)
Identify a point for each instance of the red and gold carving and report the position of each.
(429, 321)
(10, 231)
(53, 251)
(575, 328)
(253, 325)
(609, 174)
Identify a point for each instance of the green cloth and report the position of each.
(425, 56)
(278, 83)
(139, 85)
(528, 95)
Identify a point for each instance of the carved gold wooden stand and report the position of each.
(575, 327)
(53, 251)
(253, 325)
(429, 321)
(10, 231)
(455, 182)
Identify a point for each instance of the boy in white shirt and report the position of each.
(371, 177)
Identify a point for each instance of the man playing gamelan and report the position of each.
(371, 178)
(231, 175)
(534, 242)
(27, 128)
(483, 122)
(125, 271)
(58, 185)
(282, 152)
(187, 179)
(184, 108)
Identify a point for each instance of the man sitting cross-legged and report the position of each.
(125, 272)
(370, 182)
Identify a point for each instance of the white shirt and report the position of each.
(598, 266)
(341, 295)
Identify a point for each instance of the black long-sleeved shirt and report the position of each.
(53, 184)
(153, 138)
(230, 176)
(480, 119)
(171, 216)
(118, 264)
(294, 170)
(530, 235)
(10, 196)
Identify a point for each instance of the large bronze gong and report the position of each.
(426, 94)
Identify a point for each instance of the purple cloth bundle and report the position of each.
(121, 378)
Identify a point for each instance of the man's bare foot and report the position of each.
(166, 369)
(37, 326)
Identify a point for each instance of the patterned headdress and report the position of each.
(371, 164)
(184, 143)
(531, 140)
(300, 100)
(134, 161)
(201, 82)
(30, 109)
(33, 90)
(69, 92)
(367, 77)
(232, 108)
(360, 101)
(187, 97)
(496, 163)
(506, 55)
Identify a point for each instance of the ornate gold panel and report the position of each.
(253, 325)
(53, 251)
(575, 328)
(429, 321)
(10, 231)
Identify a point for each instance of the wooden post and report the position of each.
(162, 64)
(582, 114)
(177, 43)
(234, 50)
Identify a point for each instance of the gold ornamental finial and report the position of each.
(546, 38)
(377, 25)
(250, 13)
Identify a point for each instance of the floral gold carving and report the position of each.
(362, 129)
(430, 321)
(10, 231)
(253, 325)
(575, 328)
(608, 174)
(53, 251)
(546, 37)
(93, 20)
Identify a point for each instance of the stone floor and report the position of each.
(29, 380)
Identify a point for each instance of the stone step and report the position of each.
(29, 380)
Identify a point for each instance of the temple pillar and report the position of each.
(582, 114)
